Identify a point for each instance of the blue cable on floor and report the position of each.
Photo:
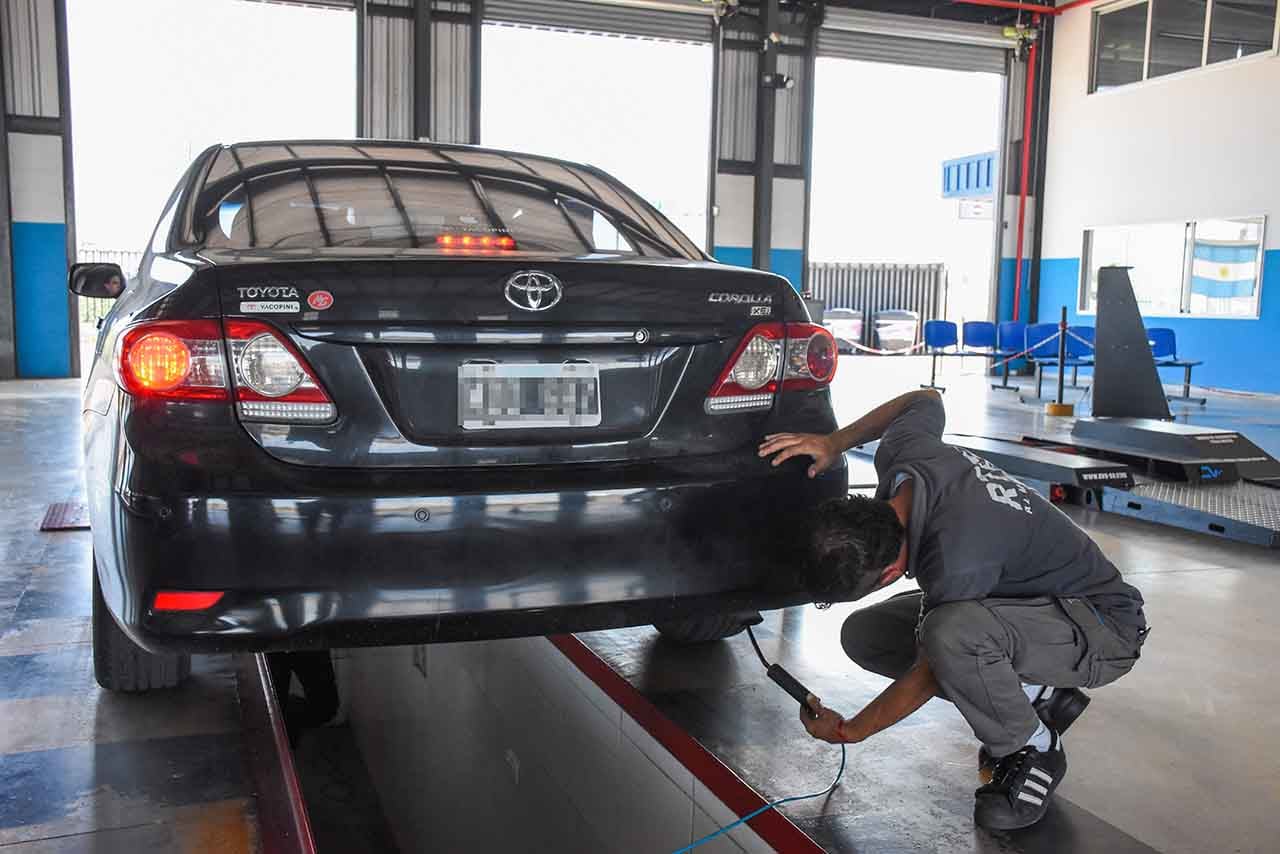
(828, 790)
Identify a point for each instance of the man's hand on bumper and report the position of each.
(784, 446)
(821, 722)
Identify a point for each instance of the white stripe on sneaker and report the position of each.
(1034, 786)
(1042, 775)
(1023, 796)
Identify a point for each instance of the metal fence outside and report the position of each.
(92, 310)
(874, 289)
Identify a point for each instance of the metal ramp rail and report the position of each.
(1239, 511)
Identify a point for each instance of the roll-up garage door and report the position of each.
(673, 20)
(905, 40)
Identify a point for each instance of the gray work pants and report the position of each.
(981, 651)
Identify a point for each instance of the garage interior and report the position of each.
(617, 740)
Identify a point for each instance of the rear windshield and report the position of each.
(450, 207)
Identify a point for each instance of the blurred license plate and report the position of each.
(497, 397)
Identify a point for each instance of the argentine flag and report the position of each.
(1224, 268)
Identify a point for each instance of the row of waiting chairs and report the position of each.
(1037, 340)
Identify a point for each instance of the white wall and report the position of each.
(1192, 145)
(507, 746)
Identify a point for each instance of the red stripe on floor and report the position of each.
(283, 825)
(772, 826)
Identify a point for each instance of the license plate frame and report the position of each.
(481, 389)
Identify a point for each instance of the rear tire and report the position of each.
(119, 664)
(702, 629)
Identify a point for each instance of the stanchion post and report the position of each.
(1058, 407)
(1062, 352)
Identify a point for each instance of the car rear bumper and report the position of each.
(353, 569)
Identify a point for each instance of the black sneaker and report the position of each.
(1058, 713)
(1018, 795)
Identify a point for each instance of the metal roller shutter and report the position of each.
(645, 20)
(905, 40)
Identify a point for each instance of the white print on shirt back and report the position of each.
(1000, 486)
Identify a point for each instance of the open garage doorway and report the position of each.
(639, 109)
(881, 135)
(154, 82)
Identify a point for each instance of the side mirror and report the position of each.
(104, 281)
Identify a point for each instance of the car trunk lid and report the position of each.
(517, 360)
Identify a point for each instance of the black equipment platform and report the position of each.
(1175, 483)
(1184, 452)
(1048, 466)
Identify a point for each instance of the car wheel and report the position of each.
(120, 664)
(703, 629)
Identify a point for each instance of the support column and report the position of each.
(419, 69)
(1014, 170)
(38, 324)
(763, 121)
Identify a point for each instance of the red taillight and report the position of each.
(273, 381)
(791, 356)
(811, 356)
(476, 242)
(174, 359)
(186, 600)
(159, 361)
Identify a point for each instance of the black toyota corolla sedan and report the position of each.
(373, 392)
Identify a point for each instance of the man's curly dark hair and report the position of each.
(852, 541)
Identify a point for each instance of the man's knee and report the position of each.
(955, 631)
(857, 636)
(878, 642)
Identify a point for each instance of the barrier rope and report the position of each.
(1083, 341)
(873, 350)
(985, 371)
(994, 365)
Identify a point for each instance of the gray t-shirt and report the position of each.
(975, 532)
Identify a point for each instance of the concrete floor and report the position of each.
(1179, 756)
(82, 770)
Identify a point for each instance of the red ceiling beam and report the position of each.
(1012, 4)
(1026, 7)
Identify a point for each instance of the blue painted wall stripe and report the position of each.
(1237, 354)
(785, 262)
(40, 299)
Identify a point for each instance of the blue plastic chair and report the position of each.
(1080, 344)
(1164, 348)
(938, 335)
(1010, 335)
(979, 335)
(1164, 343)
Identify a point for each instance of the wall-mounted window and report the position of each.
(1140, 40)
(1202, 268)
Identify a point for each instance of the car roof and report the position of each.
(361, 149)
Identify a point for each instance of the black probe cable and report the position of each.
(775, 804)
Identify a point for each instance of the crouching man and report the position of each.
(1017, 609)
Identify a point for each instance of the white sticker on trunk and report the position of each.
(268, 307)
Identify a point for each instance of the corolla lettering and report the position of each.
(269, 292)
(741, 299)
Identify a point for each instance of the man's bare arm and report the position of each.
(825, 450)
(906, 694)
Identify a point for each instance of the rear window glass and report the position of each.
(299, 207)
